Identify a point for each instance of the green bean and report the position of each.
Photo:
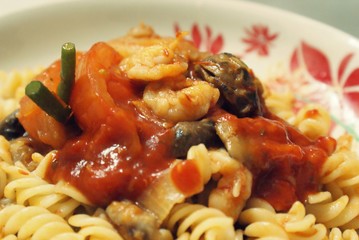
(48, 101)
(68, 64)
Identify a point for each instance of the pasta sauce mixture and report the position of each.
(146, 137)
(101, 166)
(285, 164)
(121, 150)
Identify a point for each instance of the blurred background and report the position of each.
(341, 14)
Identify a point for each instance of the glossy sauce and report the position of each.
(103, 169)
(187, 177)
(120, 151)
(285, 164)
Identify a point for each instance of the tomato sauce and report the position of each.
(103, 169)
(285, 164)
(119, 151)
(187, 177)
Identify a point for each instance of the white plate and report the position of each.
(271, 41)
(340, 14)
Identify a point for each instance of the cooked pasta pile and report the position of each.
(166, 142)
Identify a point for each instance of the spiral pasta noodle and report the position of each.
(281, 104)
(207, 195)
(94, 227)
(234, 186)
(313, 121)
(194, 221)
(199, 154)
(20, 222)
(12, 89)
(340, 205)
(337, 234)
(5, 157)
(262, 222)
(27, 188)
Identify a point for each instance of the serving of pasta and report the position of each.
(146, 137)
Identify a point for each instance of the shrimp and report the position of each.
(154, 63)
(180, 100)
(136, 39)
(150, 58)
(234, 186)
(143, 36)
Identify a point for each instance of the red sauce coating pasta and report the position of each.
(285, 164)
(120, 151)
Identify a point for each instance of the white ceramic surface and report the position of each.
(343, 15)
(271, 41)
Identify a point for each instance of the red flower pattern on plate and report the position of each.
(259, 39)
(319, 68)
(204, 40)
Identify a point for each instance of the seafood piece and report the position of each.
(143, 36)
(154, 63)
(136, 39)
(234, 144)
(188, 134)
(148, 57)
(284, 163)
(234, 186)
(241, 91)
(134, 223)
(21, 150)
(180, 100)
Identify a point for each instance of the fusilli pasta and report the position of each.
(234, 186)
(339, 207)
(20, 222)
(27, 188)
(31, 222)
(12, 87)
(337, 234)
(207, 195)
(262, 222)
(194, 221)
(313, 121)
(94, 227)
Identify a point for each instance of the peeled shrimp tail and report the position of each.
(180, 100)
